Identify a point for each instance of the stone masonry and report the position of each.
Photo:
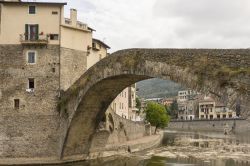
(31, 130)
(52, 124)
(223, 72)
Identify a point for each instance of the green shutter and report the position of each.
(26, 31)
(37, 31)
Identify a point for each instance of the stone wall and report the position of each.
(31, 130)
(73, 65)
(125, 130)
(211, 125)
(118, 131)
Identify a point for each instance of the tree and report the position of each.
(138, 103)
(156, 114)
(173, 109)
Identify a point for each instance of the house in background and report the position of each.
(187, 102)
(211, 109)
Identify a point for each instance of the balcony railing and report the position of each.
(36, 39)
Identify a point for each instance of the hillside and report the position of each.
(157, 88)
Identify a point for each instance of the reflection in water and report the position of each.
(193, 144)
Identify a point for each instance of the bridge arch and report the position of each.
(225, 73)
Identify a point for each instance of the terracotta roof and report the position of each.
(25, 2)
(102, 43)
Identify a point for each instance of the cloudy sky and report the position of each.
(167, 23)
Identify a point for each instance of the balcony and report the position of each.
(34, 39)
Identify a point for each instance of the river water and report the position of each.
(186, 149)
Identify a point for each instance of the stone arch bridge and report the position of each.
(223, 72)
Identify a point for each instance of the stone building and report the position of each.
(42, 53)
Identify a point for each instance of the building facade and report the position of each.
(124, 104)
(187, 100)
(210, 109)
(42, 53)
(207, 108)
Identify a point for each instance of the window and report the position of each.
(53, 70)
(218, 116)
(31, 83)
(32, 9)
(54, 36)
(54, 12)
(31, 57)
(31, 32)
(16, 103)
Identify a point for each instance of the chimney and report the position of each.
(73, 16)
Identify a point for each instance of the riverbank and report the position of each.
(213, 148)
(218, 125)
(140, 144)
(125, 148)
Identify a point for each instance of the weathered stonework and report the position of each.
(73, 65)
(45, 126)
(223, 72)
(239, 125)
(31, 130)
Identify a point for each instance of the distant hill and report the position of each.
(157, 88)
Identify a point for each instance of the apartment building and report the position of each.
(207, 108)
(187, 102)
(124, 104)
(210, 109)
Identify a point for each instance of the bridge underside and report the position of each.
(224, 73)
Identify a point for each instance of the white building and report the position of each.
(210, 109)
(186, 104)
(124, 104)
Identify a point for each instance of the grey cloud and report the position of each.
(203, 10)
(207, 23)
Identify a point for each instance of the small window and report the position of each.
(53, 70)
(54, 36)
(54, 12)
(31, 83)
(16, 103)
(31, 57)
(32, 9)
